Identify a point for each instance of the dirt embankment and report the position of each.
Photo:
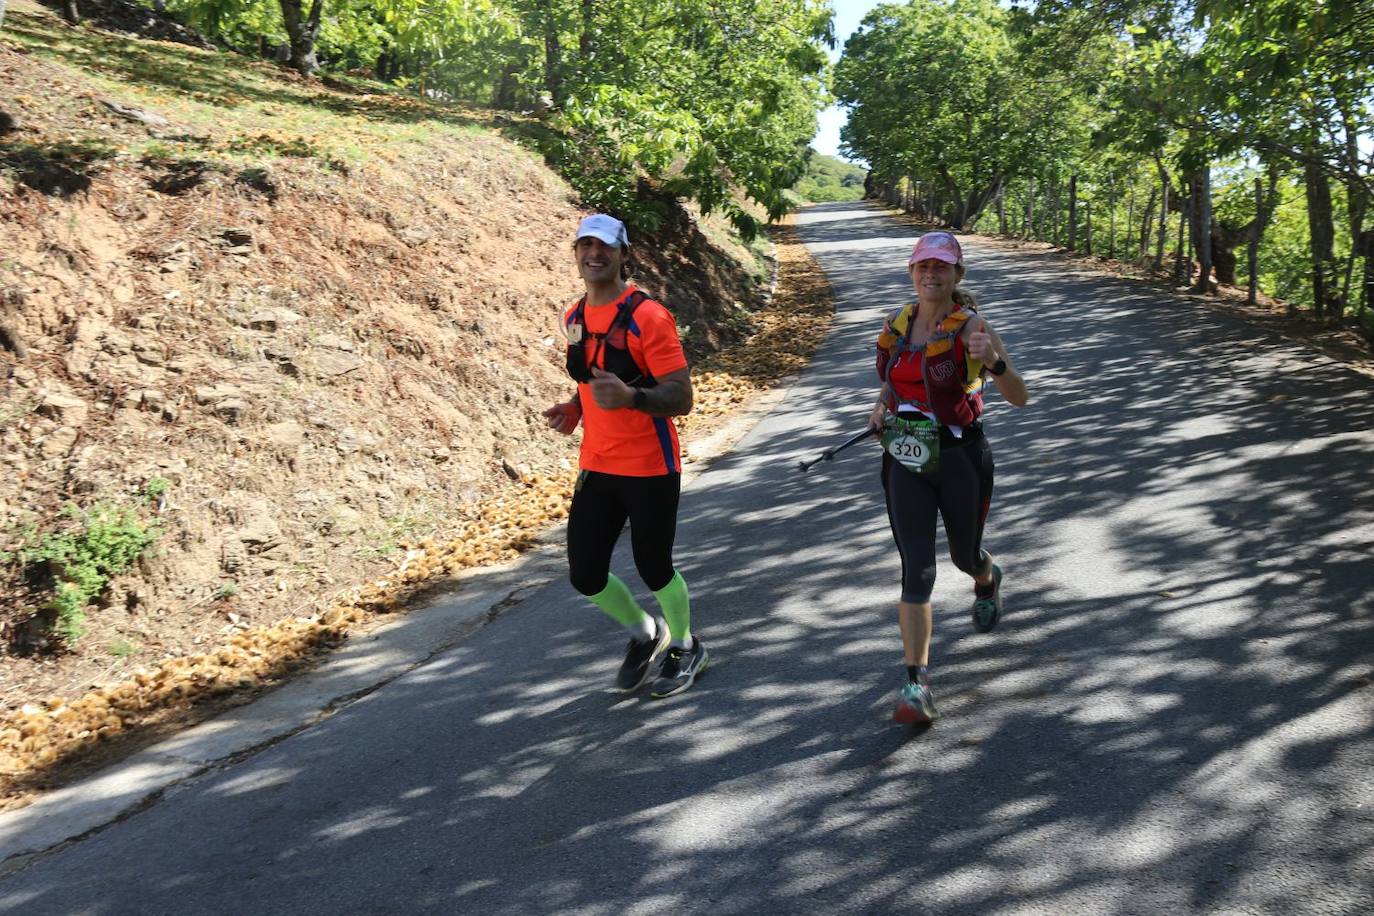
(321, 357)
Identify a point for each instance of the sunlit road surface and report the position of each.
(1174, 716)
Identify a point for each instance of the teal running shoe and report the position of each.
(915, 704)
(987, 609)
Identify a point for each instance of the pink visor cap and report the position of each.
(607, 228)
(938, 245)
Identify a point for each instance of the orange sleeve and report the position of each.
(657, 347)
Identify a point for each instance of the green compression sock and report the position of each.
(615, 599)
(676, 608)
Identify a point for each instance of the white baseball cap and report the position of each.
(607, 228)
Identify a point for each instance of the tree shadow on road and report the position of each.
(1174, 715)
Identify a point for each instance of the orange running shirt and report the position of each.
(627, 441)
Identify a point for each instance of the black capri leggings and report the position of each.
(600, 506)
(961, 491)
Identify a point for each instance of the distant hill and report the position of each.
(829, 178)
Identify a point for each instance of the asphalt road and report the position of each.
(1174, 716)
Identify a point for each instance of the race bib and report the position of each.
(914, 443)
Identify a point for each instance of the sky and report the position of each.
(848, 14)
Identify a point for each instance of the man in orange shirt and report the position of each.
(632, 377)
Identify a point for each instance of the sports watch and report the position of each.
(998, 367)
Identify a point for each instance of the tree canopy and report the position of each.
(1126, 111)
(715, 100)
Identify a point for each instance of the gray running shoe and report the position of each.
(915, 704)
(988, 610)
(640, 656)
(680, 669)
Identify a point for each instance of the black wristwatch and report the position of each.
(641, 399)
(998, 367)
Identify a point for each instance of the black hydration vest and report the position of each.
(618, 361)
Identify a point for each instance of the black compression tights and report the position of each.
(599, 510)
(960, 491)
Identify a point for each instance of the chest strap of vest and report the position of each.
(578, 363)
(896, 337)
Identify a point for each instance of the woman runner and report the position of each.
(933, 358)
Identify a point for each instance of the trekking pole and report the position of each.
(830, 453)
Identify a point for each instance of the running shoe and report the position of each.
(680, 668)
(639, 657)
(915, 704)
(987, 609)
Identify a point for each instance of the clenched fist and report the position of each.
(981, 348)
(564, 417)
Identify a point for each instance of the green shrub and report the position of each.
(103, 541)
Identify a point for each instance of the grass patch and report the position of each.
(251, 108)
(124, 649)
(400, 531)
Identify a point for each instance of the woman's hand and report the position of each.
(985, 346)
(981, 346)
(876, 417)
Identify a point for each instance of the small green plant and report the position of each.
(17, 411)
(123, 648)
(155, 488)
(227, 590)
(399, 529)
(103, 541)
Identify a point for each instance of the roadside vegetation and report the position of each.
(276, 346)
(829, 178)
(710, 100)
(1215, 142)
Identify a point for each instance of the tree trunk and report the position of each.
(1180, 278)
(586, 43)
(1111, 224)
(1145, 222)
(70, 12)
(504, 97)
(1356, 196)
(1163, 229)
(553, 56)
(1252, 249)
(1202, 184)
(1325, 283)
(2, 14)
(1088, 234)
(1130, 222)
(1073, 212)
(1001, 208)
(972, 207)
(1224, 242)
(302, 30)
(1365, 246)
(1049, 220)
